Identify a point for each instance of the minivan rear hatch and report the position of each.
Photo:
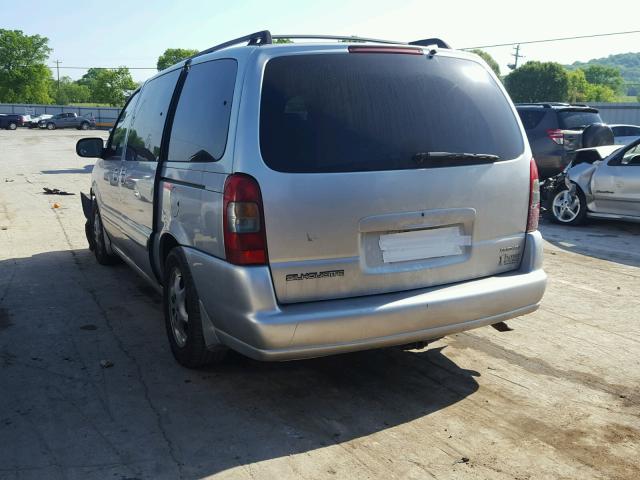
(386, 172)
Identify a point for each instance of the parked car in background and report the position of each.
(10, 121)
(625, 134)
(67, 120)
(34, 121)
(555, 132)
(295, 217)
(601, 182)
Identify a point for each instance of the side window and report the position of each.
(631, 157)
(118, 136)
(145, 134)
(201, 122)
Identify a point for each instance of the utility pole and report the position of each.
(517, 56)
(58, 62)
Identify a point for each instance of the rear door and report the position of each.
(139, 167)
(359, 198)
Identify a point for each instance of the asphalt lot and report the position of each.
(556, 398)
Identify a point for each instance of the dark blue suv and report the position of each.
(555, 132)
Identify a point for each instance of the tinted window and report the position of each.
(118, 136)
(531, 118)
(363, 112)
(570, 120)
(145, 134)
(201, 122)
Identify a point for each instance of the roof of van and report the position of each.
(263, 41)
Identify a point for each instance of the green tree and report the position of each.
(603, 75)
(172, 56)
(600, 93)
(69, 91)
(110, 85)
(538, 82)
(89, 78)
(24, 76)
(282, 40)
(489, 59)
(578, 86)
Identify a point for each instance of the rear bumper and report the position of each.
(241, 305)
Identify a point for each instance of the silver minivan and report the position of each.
(294, 200)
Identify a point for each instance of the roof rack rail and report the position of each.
(258, 38)
(431, 41)
(339, 37)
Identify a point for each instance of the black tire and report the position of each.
(12, 126)
(84, 126)
(97, 242)
(51, 126)
(186, 338)
(553, 213)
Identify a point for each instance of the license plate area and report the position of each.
(423, 244)
(383, 239)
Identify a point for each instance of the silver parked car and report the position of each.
(601, 182)
(625, 134)
(300, 200)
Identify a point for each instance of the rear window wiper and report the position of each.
(446, 159)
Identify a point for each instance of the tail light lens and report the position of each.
(244, 234)
(534, 198)
(556, 136)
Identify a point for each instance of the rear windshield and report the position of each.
(577, 119)
(372, 111)
(530, 117)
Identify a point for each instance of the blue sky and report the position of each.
(135, 33)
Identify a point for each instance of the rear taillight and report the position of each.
(244, 235)
(556, 135)
(534, 198)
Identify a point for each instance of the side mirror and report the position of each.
(90, 147)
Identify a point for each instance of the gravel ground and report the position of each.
(556, 398)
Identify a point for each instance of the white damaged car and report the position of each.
(600, 182)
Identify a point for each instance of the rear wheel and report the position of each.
(568, 207)
(182, 315)
(12, 126)
(51, 126)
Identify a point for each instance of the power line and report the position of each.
(553, 39)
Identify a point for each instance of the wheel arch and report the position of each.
(165, 244)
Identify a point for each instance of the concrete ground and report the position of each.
(556, 398)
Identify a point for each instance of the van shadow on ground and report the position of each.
(147, 417)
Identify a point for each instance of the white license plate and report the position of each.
(423, 244)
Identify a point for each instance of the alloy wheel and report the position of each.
(566, 206)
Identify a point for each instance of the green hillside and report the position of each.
(628, 63)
